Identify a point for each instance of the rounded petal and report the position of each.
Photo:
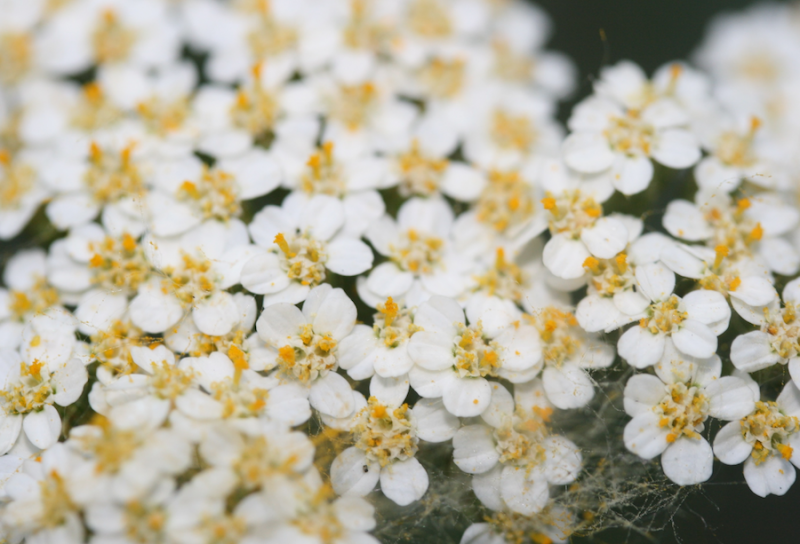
(404, 481)
(568, 386)
(730, 398)
(216, 315)
(606, 238)
(563, 460)
(389, 391)
(774, 476)
(467, 397)
(352, 474)
(644, 436)
(348, 257)
(752, 351)
(564, 257)
(642, 393)
(688, 461)
(695, 339)
(43, 428)
(587, 152)
(730, 447)
(474, 449)
(434, 422)
(332, 395)
(655, 280)
(524, 494)
(641, 348)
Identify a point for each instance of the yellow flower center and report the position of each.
(768, 431)
(302, 257)
(420, 174)
(112, 41)
(16, 53)
(512, 131)
(215, 195)
(307, 355)
(112, 176)
(475, 354)
(506, 201)
(683, 410)
(571, 212)
(119, 264)
(664, 317)
(385, 434)
(443, 78)
(417, 252)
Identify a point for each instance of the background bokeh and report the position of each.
(652, 32)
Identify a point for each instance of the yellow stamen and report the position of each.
(281, 241)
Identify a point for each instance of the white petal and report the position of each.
(655, 280)
(262, 274)
(644, 436)
(439, 314)
(474, 449)
(467, 397)
(564, 257)
(568, 386)
(695, 339)
(642, 393)
(10, 427)
(389, 391)
(392, 362)
(69, 381)
(752, 351)
(434, 422)
(707, 307)
(348, 474)
(596, 313)
(43, 428)
(332, 396)
(279, 322)
(486, 487)
(404, 481)
(631, 175)
(730, 398)
(501, 407)
(524, 495)
(606, 238)
(216, 315)
(431, 350)
(152, 311)
(387, 280)
(587, 152)
(730, 446)
(676, 148)
(429, 384)
(688, 461)
(563, 460)
(641, 348)
(774, 476)
(685, 220)
(333, 314)
(682, 262)
(348, 257)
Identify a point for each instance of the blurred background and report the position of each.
(594, 33)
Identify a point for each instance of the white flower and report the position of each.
(383, 348)
(453, 359)
(145, 399)
(567, 353)
(422, 260)
(420, 167)
(110, 32)
(386, 439)
(513, 456)
(579, 231)
(21, 191)
(669, 412)
(41, 502)
(765, 440)
(28, 294)
(746, 228)
(691, 323)
(505, 214)
(352, 181)
(124, 464)
(747, 282)
(741, 154)
(29, 390)
(510, 127)
(307, 345)
(196, 270)
(777, 340)
(621, 128)
(303, 245)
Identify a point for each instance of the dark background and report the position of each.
(652, 32)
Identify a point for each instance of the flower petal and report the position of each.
(688, 461)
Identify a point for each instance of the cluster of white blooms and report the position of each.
(295, 249)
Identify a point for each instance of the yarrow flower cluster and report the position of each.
(281, 254)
